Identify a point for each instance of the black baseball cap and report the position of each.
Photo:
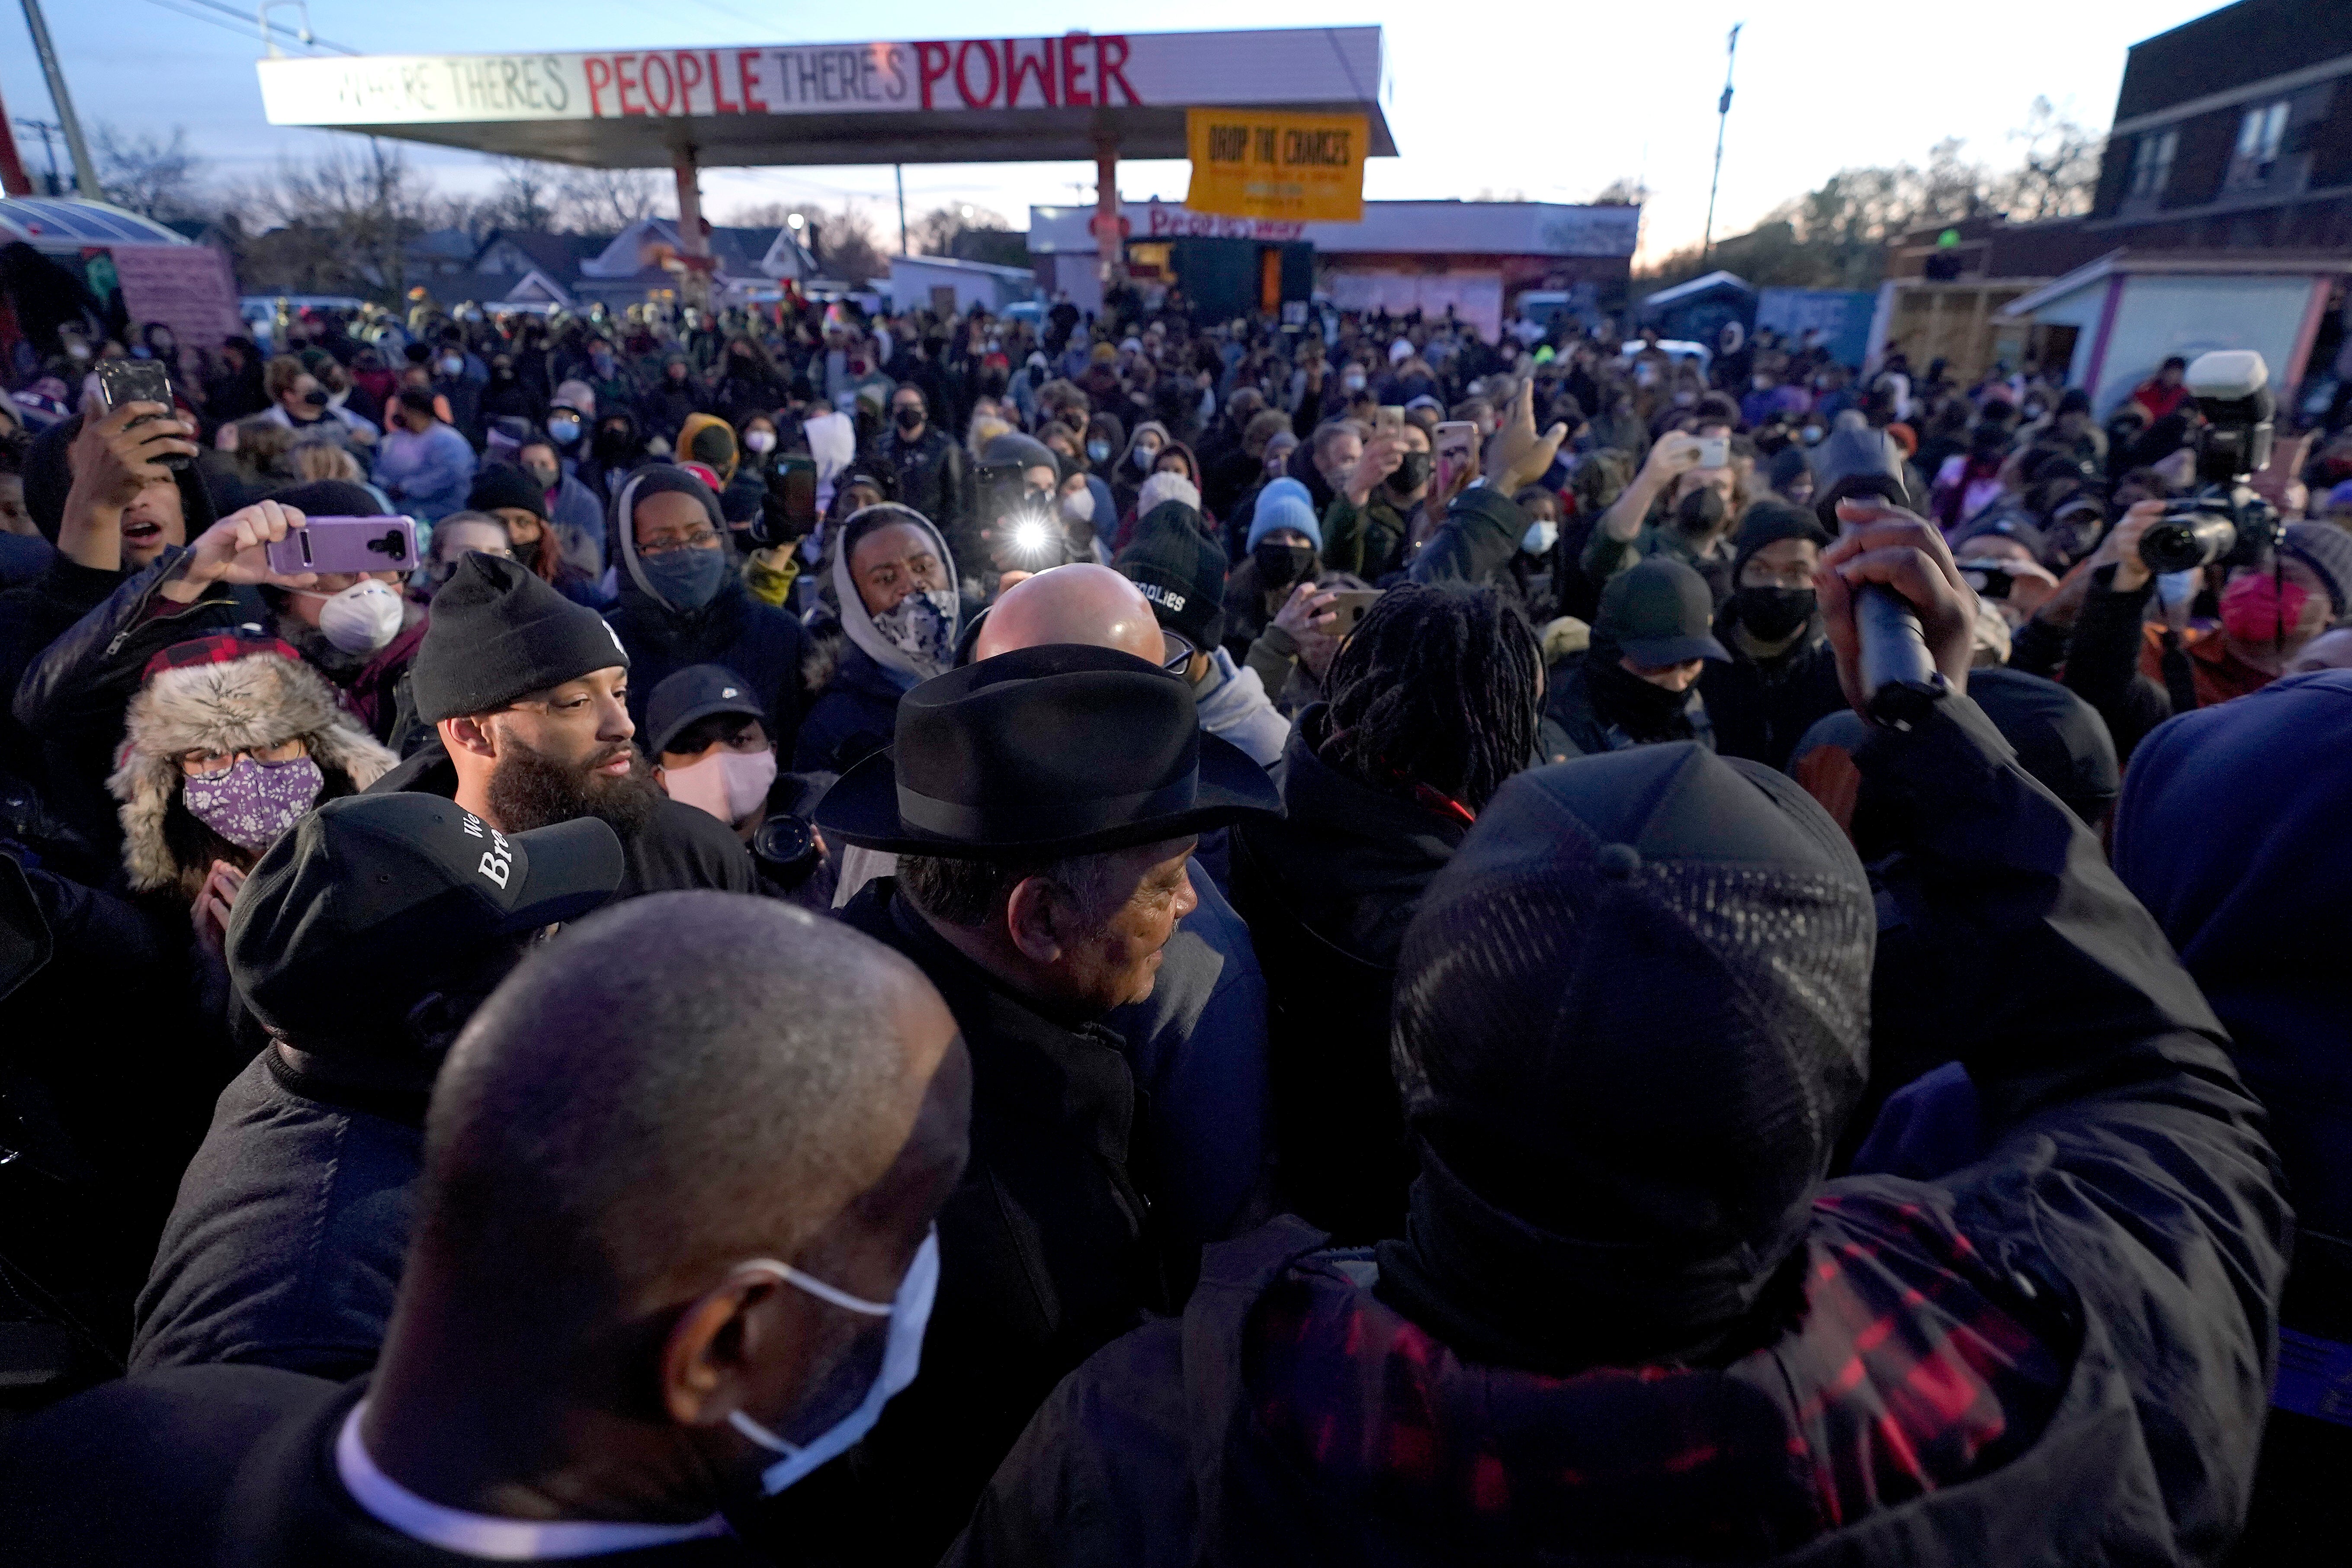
(1659, 612)
(375, 899)
(695, 692)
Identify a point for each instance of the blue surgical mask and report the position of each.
(565, 431)
(909, 1313)
(1097, 451)
(686, 579)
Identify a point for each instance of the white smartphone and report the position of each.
(1715, 451)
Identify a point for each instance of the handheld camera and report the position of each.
(2225, 522)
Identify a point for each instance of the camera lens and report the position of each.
(2185, 543)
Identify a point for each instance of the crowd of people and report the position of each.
(1128, 939)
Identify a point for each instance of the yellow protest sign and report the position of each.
(1247, 163)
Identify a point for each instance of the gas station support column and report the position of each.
(1108, 249)
(694, 287)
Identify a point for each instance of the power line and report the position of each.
(243, 24)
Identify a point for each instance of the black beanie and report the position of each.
(1768, 523)
(329, 497)
(1180, 570)
(503, 484)
(497, 632)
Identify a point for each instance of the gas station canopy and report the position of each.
(968, 100)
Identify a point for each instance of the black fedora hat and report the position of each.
(1043, 752)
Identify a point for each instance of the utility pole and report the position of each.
(47, 130)
(900, 170)
(85, 171)
(1722, 115)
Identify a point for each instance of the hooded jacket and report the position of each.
(2057, 1354)
(256, 701)
(757, 641)
(857, 699)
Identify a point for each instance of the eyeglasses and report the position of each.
(202, 764)
(695, 539)
(1180, 651)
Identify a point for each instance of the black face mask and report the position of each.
(314, 399)
(613, 445)
(1772, 614)
(906, 417)
(1279, 564)
(1641, 709)
(1412, 474)
(1700, 513)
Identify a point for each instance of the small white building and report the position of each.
(915, 282)
(2129, 310)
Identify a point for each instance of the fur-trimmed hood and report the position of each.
(260, 700)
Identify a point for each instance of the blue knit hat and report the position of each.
(1284, 503)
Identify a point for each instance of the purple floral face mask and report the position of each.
(253, 802)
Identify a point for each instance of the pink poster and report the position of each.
(188, 288)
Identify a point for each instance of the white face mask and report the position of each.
(363, 618)
(909, 1313)
(1540, 536)
(730, 785)
(1078, 506)
(761, 441)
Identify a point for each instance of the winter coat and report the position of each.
(1047, 1249)
(285, 1247)
(71, 696)
(1572, 727)
(1327, 889)
(931, 476)
(1760, 708)
(427, 475)
(1368, 541)
(856, 712)
(860, 677)
(757, 641)
(251, 1477)
(1480, 535)
(2059, 1353)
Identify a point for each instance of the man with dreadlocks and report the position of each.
(1434, 702)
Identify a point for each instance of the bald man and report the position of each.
(1076, 603)
(676, 1251)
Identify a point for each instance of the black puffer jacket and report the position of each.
(2123, 1243)
(72, 696)
(1327, 889)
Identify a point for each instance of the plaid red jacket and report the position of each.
(1911, 1367)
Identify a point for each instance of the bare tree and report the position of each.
(151, 177)
(2057, 171)
(603, 201)
(1624, 191)
(526, 196)
(348, 216)
(936, 233)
